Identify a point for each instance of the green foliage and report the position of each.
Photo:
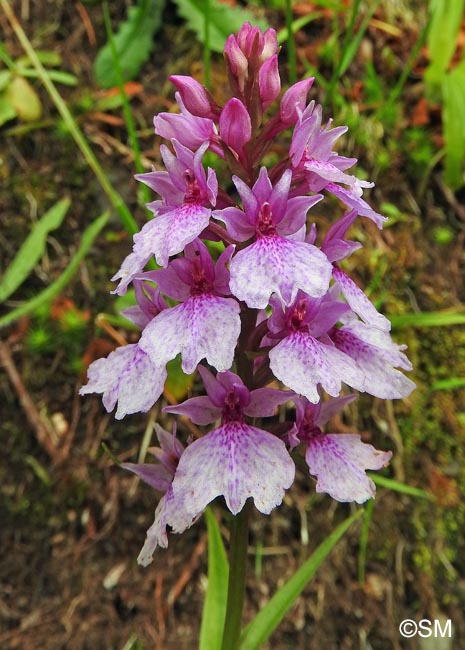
(269, 617)
(18, 98)
(429, 319)
(214, 608)
(453, 89)
(223, 20)
(133, 43)
(32, 249)
(53, 290)
(446, 18)
(448, 85)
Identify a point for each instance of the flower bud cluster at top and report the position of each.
(273, 306)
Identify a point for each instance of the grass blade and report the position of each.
(269, 617)
(214, 609)
(32, 249)
(397, 486)
(56, 287)
(429, 319)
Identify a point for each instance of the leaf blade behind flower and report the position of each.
(32, 249)
(269, 617)
(214, 609)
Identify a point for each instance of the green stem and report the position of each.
(206, 47)
(130, 126)
(237, 575)
(117, 202)
(291, 57)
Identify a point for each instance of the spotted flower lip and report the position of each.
(119, 378)
(187, 191)
(205, 324)
(338, 460)
(235, 460)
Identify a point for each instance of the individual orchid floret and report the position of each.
(160, 477)
(277, 263)
(305, 357)
(377, 356)
(196, 98)
(206, 324)
(188, 129)
(312, 155)
(187, 192)
(235, 126)
(128, 377)
(338, 460)
(235, 460)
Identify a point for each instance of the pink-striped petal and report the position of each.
(302, 362)
(169, 232)
(237, 461)
(203, 327)
(339, 462)
(120, 377)
(278, 265)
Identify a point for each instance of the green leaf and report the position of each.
(449, 384)
(214, 608)
(269, 617)
(65, 78)
(177, 382)
(429, 319)
(56, 287)
(133, 43)
(397, 486)
(441, 40)
(32, 249)
(453, 89)
(24, 99)
(223, 20)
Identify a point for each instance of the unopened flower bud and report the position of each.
(236, 60)
(194, 95)
(269, 83)
(294, 100)
(235, 125)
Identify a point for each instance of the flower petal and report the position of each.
(301, 362)
(339, 462)
(263, 401)
(168, 233)
(170, 511)
(120, 377)
(204, 326)
(359, 303)
(381, 378)
(238, 462)
(354, 202)
(278, 265)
